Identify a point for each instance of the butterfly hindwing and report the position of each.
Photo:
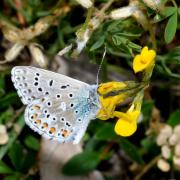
(64, 112)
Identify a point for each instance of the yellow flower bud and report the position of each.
(106, 88)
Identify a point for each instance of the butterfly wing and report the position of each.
(32, 83)
(61, 109)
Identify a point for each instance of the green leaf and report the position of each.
(9, 99)
(6, 116)
(29, 159)
(168, 11)
(128, 34)
(149, 145)
(106, 132)
(12, 137)
(81, 163)
(174, 118)
(118, 40)
(147, 110)
(32, 143)
(134, 46)
(131, 150)
(97, 44)
(170, 29)
(4, 169)
(16, 155)
(15, 176)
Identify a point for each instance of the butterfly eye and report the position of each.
(37, 74)
(36, 78)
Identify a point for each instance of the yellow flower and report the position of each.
(105, 88)
(144, 60)
(127, 123)
(108, 105)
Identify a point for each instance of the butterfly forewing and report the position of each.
(32, 83)
(59, 107)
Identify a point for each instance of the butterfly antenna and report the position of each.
(100, 66)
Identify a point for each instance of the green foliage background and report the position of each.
(123, 39)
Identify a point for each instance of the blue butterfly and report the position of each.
(58, 107)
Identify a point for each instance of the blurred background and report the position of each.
(32, 32)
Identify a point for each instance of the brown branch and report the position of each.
(147, 167)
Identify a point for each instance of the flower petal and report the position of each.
(144, 60)
(137, 64)
(105, 88)
(125, 128)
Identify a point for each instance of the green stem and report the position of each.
(174, 3)
(88, 18)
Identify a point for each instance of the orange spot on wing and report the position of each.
(34, 116)
(38, 121)
(65, 133)
(36, 107)
(45, 125)
(52, 130)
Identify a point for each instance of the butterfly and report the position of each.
(57, 107)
